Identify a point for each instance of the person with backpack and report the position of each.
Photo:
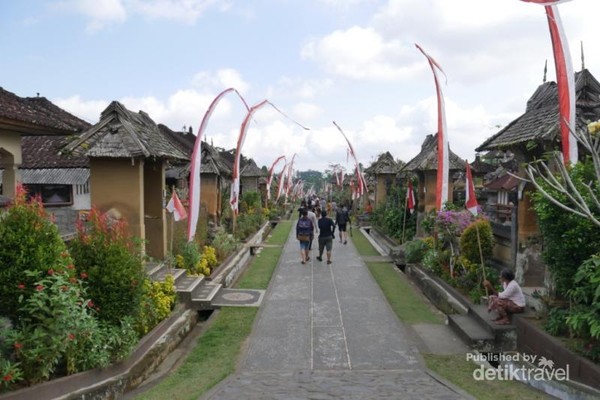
(304, 233)
(341, 220)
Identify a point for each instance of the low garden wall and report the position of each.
(113, 381)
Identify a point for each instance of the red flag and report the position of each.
(175, 207)
(410, 197)
(470, 199)
(442, 137)
(565, 79)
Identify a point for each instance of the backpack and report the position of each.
(305, 226)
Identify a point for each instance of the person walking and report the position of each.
(326, 235)
(314, 219)
(341, 220)
(304, 233)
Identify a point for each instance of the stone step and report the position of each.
(186, 285)
(471, 331)
(202, 297)
(480, 313)
(152, 267)
(161, 274)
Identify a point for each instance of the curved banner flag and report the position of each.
(470, 199)
(235, 184)
(290, 177)
(361, 188)
(194, 195)
(270, 175)
(442, 137)
(281, 181)
(565, 80)
(410, 197)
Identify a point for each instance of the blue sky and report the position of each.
(349, 61)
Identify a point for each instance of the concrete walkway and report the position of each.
(327, 332)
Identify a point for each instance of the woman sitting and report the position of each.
(507, 302)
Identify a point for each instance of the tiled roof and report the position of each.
(251, 169)
(427, 159)
(541, 118)
(43, 152)
(506, 182)
(184, 141)
(123, 134)
(56, 176)
(38, 111)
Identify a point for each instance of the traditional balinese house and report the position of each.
(28, 116)
(250, 175)
(528, 137)
(424, 165)
(381, 176)
(127, 155)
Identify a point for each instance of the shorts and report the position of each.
(325, 243)
(342, 227)
(304, 245)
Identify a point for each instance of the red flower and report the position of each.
(39, 288)
(73, 280)
(70, 266)
(90, 304)
(21, 286)
(71, 336)
(84, 275)
(18, 345)
(7, 378)
(50, 271)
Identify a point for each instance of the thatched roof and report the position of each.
(124, 134)
(385, 164)
(427, 159)
(540, 122)
(250, 169)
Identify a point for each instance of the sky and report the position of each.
(317, 61)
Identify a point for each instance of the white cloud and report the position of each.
(220, 80)
(306, 111)
(101, 13)
(187, 11)
(88, 110)
(358, 53)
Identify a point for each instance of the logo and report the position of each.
(519, 367)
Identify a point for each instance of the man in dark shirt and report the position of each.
(326, 229)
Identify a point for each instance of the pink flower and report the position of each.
(17, 345)
(50, 271)
(83, 275)
(71, 336)
(70, 266)
(90, 304)
(21, 286)
(39, 288)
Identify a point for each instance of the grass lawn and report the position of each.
(411, 308)
(215, 355)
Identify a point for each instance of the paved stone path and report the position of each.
(327, 332)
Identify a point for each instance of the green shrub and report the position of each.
(158, 300)
(29, 241)
(584, 316)
(556, 324)
(475, 238)
(109, 259)
(224, 244)
(415, 250)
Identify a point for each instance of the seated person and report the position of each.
(509, 301)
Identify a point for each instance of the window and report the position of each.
(51, 195)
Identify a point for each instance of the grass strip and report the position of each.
(215, 355)
(362, 244)
(458, 370)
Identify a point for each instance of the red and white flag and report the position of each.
(441, 192)
(410, 197)
(565, 79)
(470, 199)
(270, 175)
(196, 162)
(175, 207)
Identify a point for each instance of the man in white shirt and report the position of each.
(510, 301)
(313, 218)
